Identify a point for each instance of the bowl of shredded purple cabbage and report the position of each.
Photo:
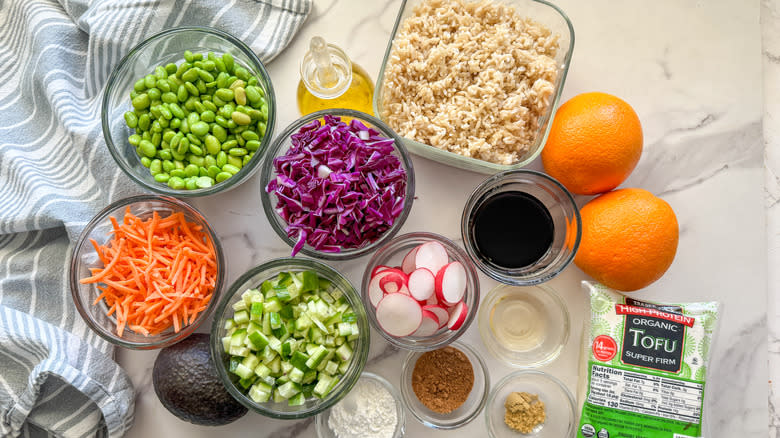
(336, 184)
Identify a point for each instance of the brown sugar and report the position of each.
(442, 379)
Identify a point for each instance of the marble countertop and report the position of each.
(693, 72)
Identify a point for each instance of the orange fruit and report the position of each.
(594, 144)
(629, 239)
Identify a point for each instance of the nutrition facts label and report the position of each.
(645, 394)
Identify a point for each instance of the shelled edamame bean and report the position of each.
(197, 123)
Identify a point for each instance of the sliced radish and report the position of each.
(408, 265)
(451, 283)
(441, 313)
(429, 325)
(375, 292)
(458, 316)
(432, 256)
(392, 281)
(432, 300)
(399, 314)
(378, 269)
(422, 284)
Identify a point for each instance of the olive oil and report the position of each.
(330, 80)
(517, 322)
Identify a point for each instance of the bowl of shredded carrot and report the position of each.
(146, 272)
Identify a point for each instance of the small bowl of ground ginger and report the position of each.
(445, 388)
(530, 404)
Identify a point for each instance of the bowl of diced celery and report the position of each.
(290, 338)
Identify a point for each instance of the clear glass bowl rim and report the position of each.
(488, 340)
(541, 374)
(468, 240)
(268, 169)
(473, 164)
(405, 395)
(159, 342)
(320, 423)
(246, 171)
(360, 352)
(471, 273)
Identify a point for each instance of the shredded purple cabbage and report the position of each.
(338, 186)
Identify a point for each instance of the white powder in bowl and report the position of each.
(368, 411)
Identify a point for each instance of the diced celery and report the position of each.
(322, 365)
(289, 389)
(344, 352)
(239, 351)
(234, 362)
(340, 340)
(275, 365)
(239, 305)
(267, 324)
(322, 387)
(275, 320)
(326, 297)
(268, 355)
(316, 320)
(246, 383)
(237, 338)
(229, 323)
(317, 356)
(282, 380)
(352, 337)
(336, 293)
(349, 317)
(286, 367)
(283, 294)
(309, 376)
(288, 347)
(296, 375)
(303, 322)
(226, 343)
(278, 398)
(345, 329)
(258, 340)
(241, 317)
(253, 327)
(335, 319)
(256, 311)
(262, 370)
(260, 392)
(355, 328)
(297, 400)
(251, 361)
(275, 344)
(298, 360)
(312, 281)
(265, 287)
(272, 305)
(243, 371)
(331, 367)
(287, 312)
(330, 341)
(343, 367)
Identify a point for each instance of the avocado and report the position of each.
(186, 382)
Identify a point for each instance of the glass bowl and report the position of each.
(84, 257)
(539, 325)
(541, 11)
(468, 411)
(391, 254)
(557, 399)
(565, 216)
(252, 279)
(321, 421)
(165, 47)
(280, 146)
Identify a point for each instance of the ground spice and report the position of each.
(524, 411)
(442, 379)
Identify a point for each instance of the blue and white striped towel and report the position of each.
(57, 378)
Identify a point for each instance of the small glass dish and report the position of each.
(280, 147)
(321, 421)
(549, 15)
(392, 254)
(84, 257)
(558, 404)
(564, 214)
(160, 49)
(539, 324)
(253, 279)
(461, 416)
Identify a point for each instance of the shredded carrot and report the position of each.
(158, 274)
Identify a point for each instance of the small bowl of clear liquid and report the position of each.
(524, 326)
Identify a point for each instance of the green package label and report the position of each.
(644, 367)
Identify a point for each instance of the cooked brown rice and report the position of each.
(470, 77)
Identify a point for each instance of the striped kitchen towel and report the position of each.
(57, 378)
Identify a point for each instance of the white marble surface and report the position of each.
(692, 70)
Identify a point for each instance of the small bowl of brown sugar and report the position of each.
(445, 388)
(530, 404)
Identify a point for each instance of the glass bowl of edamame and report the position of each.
(189, 112)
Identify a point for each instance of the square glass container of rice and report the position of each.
(473, 83)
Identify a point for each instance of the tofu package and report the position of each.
(644, 366)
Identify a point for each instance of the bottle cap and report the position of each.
(325, 69)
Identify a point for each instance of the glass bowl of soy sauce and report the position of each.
(521, 227)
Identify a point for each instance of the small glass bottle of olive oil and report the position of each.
(330, 80)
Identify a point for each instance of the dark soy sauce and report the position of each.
(512, 229)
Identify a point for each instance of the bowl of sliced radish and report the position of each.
(421, 291)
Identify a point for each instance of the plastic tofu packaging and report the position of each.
(644, 366)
